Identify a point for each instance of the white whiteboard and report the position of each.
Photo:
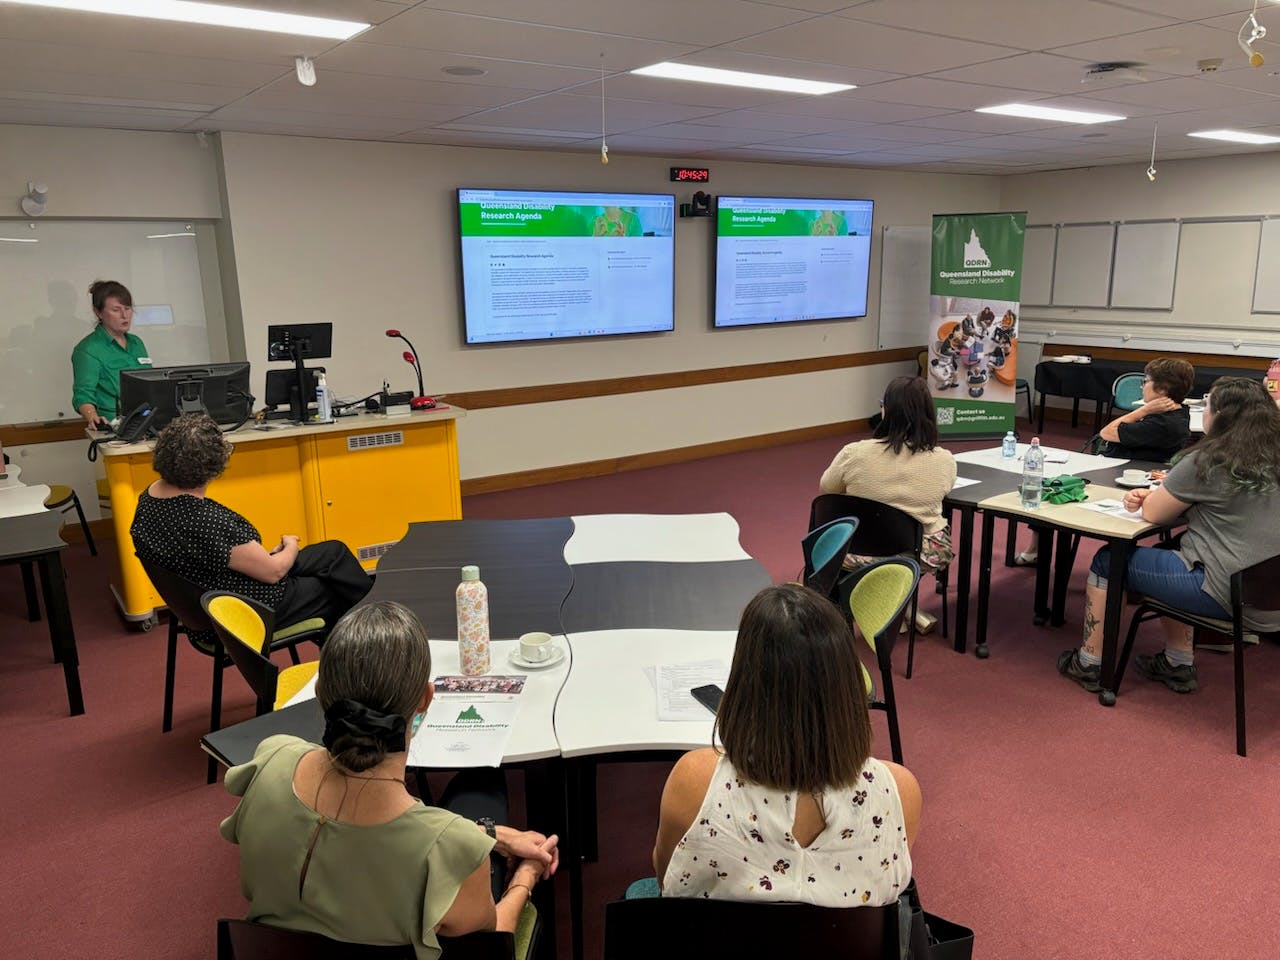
(1082, 266)
(1037, 265)
(1146, 261)
(905, 254)
(47, 309)
(1266, 279)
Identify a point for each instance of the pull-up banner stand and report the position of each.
(975, 286)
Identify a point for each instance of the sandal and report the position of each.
(1027, 558)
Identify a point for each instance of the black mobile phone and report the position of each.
(709, 696)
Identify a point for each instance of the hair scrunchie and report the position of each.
(350, 718)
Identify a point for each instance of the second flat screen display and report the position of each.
(781, 260)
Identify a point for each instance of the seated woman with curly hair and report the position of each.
(177, 526)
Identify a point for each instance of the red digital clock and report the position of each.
(690, 175)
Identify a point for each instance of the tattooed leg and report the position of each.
(1095, 602)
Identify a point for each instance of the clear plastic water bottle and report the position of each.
(1009, 447)
(1032, 475)
(473, 623)
(324, 409)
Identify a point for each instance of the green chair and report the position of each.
(1126, 392)
(879, 596)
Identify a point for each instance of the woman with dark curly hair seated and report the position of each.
(178, 527)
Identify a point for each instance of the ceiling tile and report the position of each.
(1191, 9)
(128, 91)
(1014, 23)
(18, 57)
(943, 94)
(677, 91)
(321, 104)
(1181, 93)
(298, 119)
(705, 23)
(566, 112)
(857, 107)
(376, 59)
(713, 134)
(472, 138)
(1034, 72)
(1172, 50)
(847, 142)
(855, 44)
(339, 84)
(424, 28)
(765, 120)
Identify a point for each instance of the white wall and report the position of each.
(109, 174)
(1214, 286)
(365, 235)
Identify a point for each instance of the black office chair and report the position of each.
(825, 548)
(1256, 587)
(883, 531)
(186, 616)
(687, 927)
(249, 940)
(1021, 386)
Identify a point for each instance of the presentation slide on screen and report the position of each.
(779, 260)
(543, 265)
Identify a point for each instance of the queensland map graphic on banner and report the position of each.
(975, 288)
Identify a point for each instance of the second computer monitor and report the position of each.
(299, 341)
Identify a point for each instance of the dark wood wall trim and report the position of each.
(1141, 356)
(656, 458)
(16, 434)
(582, 389)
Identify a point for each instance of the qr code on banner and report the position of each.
(946, 416)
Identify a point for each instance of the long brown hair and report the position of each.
(908, 419)
(794, 712)
(1243, 443)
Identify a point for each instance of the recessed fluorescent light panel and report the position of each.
(166, 236)
(211, 14)
(737, 78)
(18, 240)
(1234, 136)
(1032, 112)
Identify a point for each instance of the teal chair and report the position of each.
(1126, 392)
(879, 596)
(824, 551)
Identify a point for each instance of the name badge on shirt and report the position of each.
(145, 360)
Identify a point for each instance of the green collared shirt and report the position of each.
(96, 363)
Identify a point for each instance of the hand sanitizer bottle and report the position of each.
(324, 409)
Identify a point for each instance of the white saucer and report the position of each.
(1122, 482)
(556, 656)
(1082, 360)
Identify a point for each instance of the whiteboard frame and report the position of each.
(1177, 252)
(1110, 266)
(1257, 268)
(1053, 262)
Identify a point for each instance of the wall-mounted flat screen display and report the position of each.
(783, 259)
(554, 265)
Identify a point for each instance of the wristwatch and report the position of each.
(490, 826)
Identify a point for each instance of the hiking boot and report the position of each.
(1180, 679)
(1069, 666)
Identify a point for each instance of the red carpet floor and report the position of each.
(1054, 827)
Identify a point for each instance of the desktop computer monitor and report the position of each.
(299, 342)
(282, 391)
(218, 389)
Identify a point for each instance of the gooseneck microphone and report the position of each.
(411, 357)
(421, 401)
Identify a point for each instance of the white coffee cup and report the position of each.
(536, 647)
(1135, 476)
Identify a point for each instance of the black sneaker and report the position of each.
(1069, 666)
(1180, 679)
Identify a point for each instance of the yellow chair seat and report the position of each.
(293, 679)
(59, 496)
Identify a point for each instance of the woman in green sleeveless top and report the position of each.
(330, 840)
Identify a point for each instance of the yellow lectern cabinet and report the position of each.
(361, 480)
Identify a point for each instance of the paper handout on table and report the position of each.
(673, 681)
(963, 482)
(1114, 508)
(468, 723)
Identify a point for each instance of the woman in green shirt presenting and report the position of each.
(97, 360)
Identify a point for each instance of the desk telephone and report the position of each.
(136, 425)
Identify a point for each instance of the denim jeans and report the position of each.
(1161, 574)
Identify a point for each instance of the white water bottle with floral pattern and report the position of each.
(473, 623)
